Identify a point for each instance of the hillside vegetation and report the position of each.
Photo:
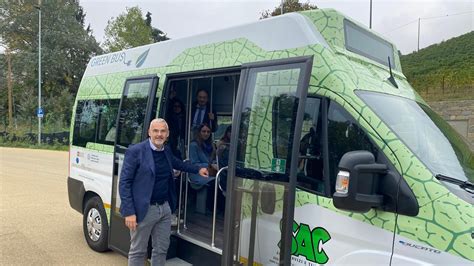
(443, 71)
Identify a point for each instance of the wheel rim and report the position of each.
(94, 224)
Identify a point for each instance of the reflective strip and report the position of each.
(244, 261)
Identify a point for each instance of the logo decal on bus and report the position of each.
(120, 57)
(412, 245)
(141, 59)
(308, 242)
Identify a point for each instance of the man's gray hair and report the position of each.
(159, 120)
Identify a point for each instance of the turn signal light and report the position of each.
(342, 182)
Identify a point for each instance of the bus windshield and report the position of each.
(425, 133)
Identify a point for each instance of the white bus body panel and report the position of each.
(352, 242)
(411, 252)
(94, 169)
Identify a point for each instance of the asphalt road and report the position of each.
(37, 225)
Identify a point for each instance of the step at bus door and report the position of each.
(137, 109)
(263, 161)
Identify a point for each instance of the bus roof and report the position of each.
(288, 31)
(292, 34)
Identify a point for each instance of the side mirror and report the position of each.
(357, 182)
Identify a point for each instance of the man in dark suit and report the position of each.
(201, 111)
(148, 193)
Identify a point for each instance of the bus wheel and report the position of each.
(95, 225)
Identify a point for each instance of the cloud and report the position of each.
(181, 18)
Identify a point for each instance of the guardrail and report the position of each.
(61, 138)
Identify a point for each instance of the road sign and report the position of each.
(40, 112)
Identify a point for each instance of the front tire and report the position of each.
(95, 225)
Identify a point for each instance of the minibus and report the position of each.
(333, 157)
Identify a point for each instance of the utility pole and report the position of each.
(10, 87)
(39, 112)
(370, 19)
(418, 49)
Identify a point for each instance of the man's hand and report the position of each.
(203, 172)
(211, 116)
(131, 222)
(176, 173)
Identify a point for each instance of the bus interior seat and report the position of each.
(201, 194)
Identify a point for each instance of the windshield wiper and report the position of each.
(466, 185)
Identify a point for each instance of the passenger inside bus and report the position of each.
(201, 111)
(197, 219)
(201, 153)
(176, 119)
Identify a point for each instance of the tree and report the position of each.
(128, 30)
(288, 6)
(3, 94)
(156, 34)
(66, 48)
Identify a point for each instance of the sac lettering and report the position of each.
(308, 243)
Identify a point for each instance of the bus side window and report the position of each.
(310, 161)
(107, 120)
(95, 121)
(344, 135)
(85, 122)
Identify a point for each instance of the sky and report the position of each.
(396, 20)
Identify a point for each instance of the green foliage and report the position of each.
(288, 6)
(444, 70)
(128, 30)
(156, 34)
(66, 47)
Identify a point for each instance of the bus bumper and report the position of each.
(75, 191)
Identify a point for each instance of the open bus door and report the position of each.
(134, 115)
(262, 170)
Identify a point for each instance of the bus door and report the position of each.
(134, 116)
(263, 162)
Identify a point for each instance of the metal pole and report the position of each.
(418, 49)
(214, 211)
(370, 19)
(10, 88)
(282, 1)
(39, 71)
(179, 202)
